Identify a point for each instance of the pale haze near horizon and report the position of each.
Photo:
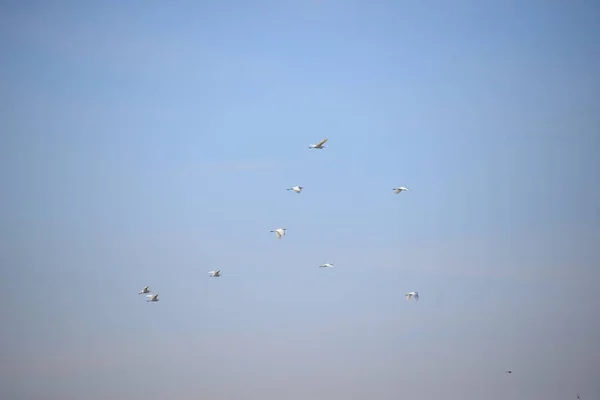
(147, 143)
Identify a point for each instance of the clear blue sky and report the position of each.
(146, 143)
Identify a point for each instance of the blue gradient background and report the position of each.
(148, 142)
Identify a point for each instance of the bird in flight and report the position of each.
(400, 189)
(146, 289)
(152, 297)
(318, 145)
(508, 371)
(296, 189)
(326, 265)
(279, 232)
(410, 295)
(215, 274)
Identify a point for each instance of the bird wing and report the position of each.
(321, 143)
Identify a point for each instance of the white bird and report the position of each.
(400, 189)
(409, 295)
(145, 290)
(318, 145)
(279, 232)
(296, 189)
(152, 297)
(326, 265)
(215, 274)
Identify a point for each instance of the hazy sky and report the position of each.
(147, 143)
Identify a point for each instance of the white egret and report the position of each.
(400, 189)
(409, 295)
(152, 297)
(279, 232)
(318, 145)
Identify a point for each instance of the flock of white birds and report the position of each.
(280, 234)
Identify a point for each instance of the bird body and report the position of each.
(400, 189)
(145, 290)
(215, 274)
(326, 265)
(318, 145)
(296, 189)
(279, 232)
(410, 295)
(508, 371)
(152, 297)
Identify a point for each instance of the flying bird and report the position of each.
(152, 297)
(296, 189)
(400, 189)
(279, 232)
(326, 265)
(146, 289)
(318, 145)
(578, 395)
(215, 274)
(409, 295)
(508, 372)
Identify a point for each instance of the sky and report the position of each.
(149, 142)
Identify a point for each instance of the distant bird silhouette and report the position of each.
(145, 290)
(326, 265)
(152, 297)
(296, 189)
(412, 294)
(509, 372)
(279, 232)
(400, 189)
(318, 145)
(215, 274)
